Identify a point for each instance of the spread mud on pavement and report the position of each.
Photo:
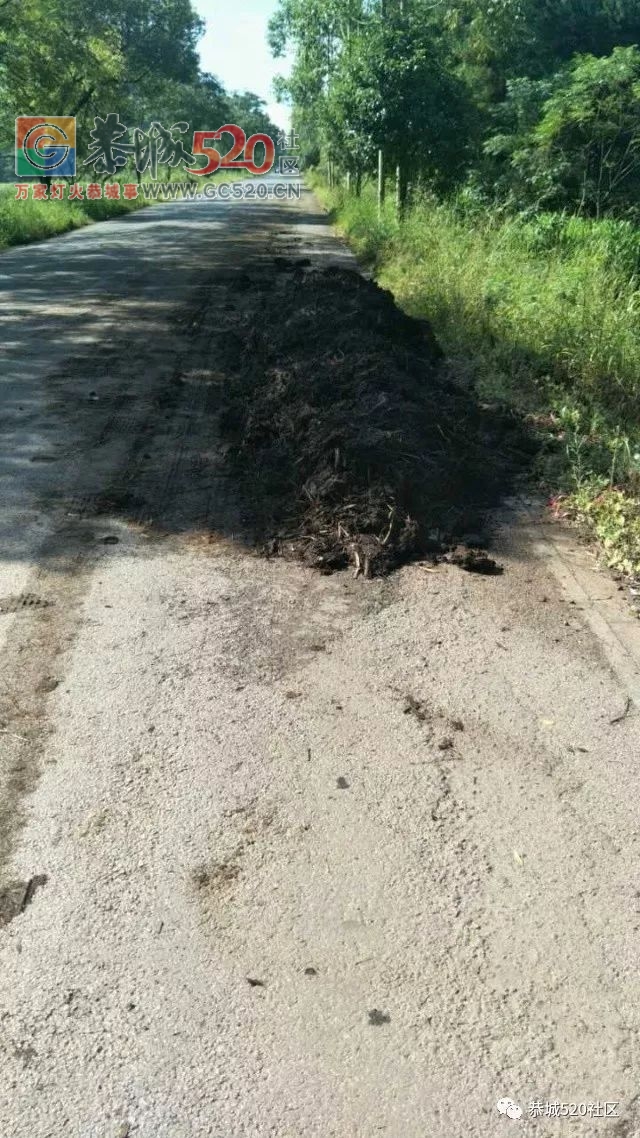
(280, 854)
(348, 440)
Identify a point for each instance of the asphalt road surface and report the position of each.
(281, 854)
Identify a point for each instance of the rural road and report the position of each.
(281, 854)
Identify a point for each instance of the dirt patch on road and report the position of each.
(347, 438)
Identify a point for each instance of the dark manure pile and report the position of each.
(348, 442)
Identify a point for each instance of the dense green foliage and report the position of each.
(572, 141)
(136, 58)
(532, 103)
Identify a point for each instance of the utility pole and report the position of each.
(401, 173)
(381, 170)
(380, 181)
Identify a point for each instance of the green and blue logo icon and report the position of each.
(45, 146)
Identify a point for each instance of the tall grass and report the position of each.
(22, 222)
(559, 320)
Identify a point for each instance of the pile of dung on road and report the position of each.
(347, 439)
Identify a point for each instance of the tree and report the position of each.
(320, 32)
(372, 79)
(578, 144)
(393, 90)
(69, 57)
(493, 41)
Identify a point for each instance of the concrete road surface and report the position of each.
(281, 854)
